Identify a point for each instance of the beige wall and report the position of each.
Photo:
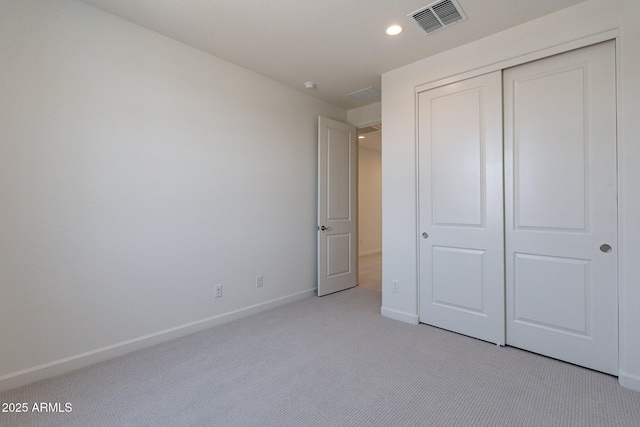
(369, 201)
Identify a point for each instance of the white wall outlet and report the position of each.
(217, 291)
(259, 281)
(395, 286)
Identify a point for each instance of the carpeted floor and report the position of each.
(331, 361)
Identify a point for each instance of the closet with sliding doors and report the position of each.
(517, 188)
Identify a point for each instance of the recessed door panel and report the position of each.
(339, 174)
(561, 207)
(553, 293)
(338, 255)
(551, 150)
(457, 147)
(455, 287)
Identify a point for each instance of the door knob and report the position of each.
(425, 235)
(323, 228)
(605, 248)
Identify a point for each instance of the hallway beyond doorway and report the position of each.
(370, 272)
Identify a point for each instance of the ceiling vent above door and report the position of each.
(369, 94)
(438, 15)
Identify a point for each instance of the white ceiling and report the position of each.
(340, 45)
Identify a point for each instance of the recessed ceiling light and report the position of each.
(394, 30)
(310, 85)
(361, 136)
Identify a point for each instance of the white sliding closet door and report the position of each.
(560, 207)
(461, 207)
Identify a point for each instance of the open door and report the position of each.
(337, 201)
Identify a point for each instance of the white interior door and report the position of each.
(461, 207)
(560, 207)
(337, 202)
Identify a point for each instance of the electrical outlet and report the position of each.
(395, 286)
(259, 281)
(217, 291)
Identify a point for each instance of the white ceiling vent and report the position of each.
(369, 94)
(438, 15)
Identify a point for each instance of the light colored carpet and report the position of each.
(331, 361)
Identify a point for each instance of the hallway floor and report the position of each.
(370, 272)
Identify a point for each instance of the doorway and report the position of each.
(370, 207)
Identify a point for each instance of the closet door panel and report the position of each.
(561, 207)
(461, 211)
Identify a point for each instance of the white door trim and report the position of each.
(523, 59)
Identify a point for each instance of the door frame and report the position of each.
(358, 126)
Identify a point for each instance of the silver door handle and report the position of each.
(323, 228)
(605, 248)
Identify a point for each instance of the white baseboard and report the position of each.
(629, 381)
(365, 253)
(68, 364)
(399, 315)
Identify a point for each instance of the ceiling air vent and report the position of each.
(369, 94)
(438, 15)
